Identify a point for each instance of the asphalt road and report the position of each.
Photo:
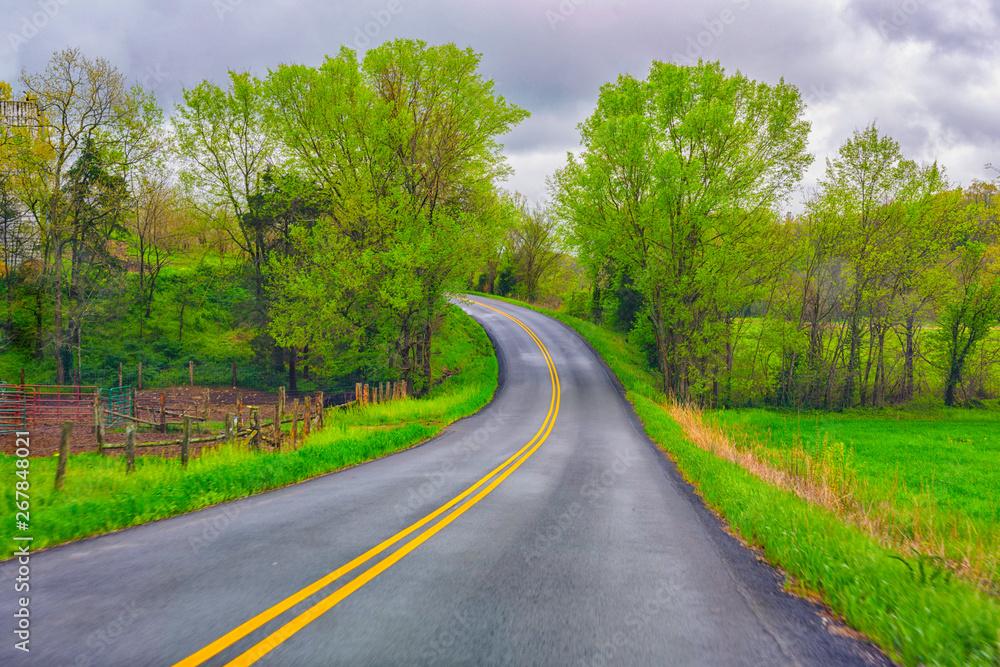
(580, 545)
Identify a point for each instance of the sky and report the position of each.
(926, 71)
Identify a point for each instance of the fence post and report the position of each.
(186, 443)
(255, 425)
(119, 374)
(295, 424)
(307, 418)
(229, 426)
(322, 409)
(139, 383)
(281, 409)
(130, 448)
(191, 372)
(163, 413)
(207, 401)
(133, 404)
(98, 425)
(277, 426)
(67, 431)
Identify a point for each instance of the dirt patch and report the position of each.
(178, 401)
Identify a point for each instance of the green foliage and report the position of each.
(403, 146)
(908, 455)
(676, 189)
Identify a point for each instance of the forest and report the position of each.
(311, 224)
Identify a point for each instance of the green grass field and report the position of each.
(952, 456)
(935, 472)
(100, 497)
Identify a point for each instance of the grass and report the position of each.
(100, 497)
(929, 478)
(904, 601)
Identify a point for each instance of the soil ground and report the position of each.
(177, 400)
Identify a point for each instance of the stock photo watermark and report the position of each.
(444, 639)
(899, 17)
(153, 75)
(592, 491)
(428, 491)
(608, 651)
(31, 25)
(22, 552)
(363, 35)
(107, 636)
(213, 528)
(223, 7)
(562, 12)
(714, 28)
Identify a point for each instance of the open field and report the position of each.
(99, 496)
(934, 473)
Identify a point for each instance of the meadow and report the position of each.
(99, 496)
(930, 476)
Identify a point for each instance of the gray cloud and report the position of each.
(928, 71)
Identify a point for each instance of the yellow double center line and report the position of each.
(463, 501)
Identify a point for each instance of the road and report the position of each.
(545, 530)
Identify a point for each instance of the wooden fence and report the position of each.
(304, 417)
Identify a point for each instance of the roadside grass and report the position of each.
(100, 497)
(905, 601)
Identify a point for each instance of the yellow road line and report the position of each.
(341, 593)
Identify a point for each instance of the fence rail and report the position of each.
(13, 409)
(57, 403)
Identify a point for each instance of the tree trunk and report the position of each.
(908, 353)
(57, 312)
(292, 374)
(427, 357)
(180, 328)
(852, 364)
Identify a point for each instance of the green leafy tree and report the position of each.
(403, 146)
(83, 104)
(969, 297)
(890, 222)
(226, 147)
(676, 187)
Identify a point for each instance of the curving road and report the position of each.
(545, 530)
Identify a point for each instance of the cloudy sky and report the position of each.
(927, 71)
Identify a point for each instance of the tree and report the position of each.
(533, 246)
(156, 226)
(890, 223)
(676, 187)
(226, 147)
(403, 145)
(82, 103)
(970, 299)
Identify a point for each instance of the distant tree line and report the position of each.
(672, 209)
(355, 195)
(332, 209)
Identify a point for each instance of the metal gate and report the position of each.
(13, 409)
(119, 401)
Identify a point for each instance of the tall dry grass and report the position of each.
(940, 545)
